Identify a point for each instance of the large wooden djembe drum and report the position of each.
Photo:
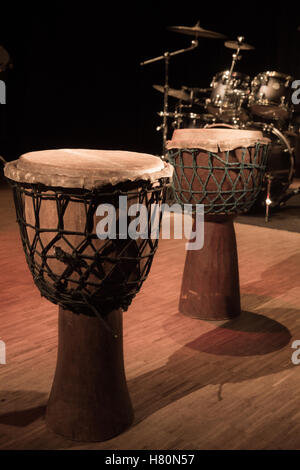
(57, 194)
(222, 169)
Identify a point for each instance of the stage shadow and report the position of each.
(248, 335)
(233, 352)
(21, 417)
(236, 351)
(276, 285)
(281, 218)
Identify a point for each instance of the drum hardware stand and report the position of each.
(283, 200)
(177, 116)
(166, 57)
(269, 177)
(4, 162)
(268, 200)
(181, 111)
(294, 192)
(235, 58)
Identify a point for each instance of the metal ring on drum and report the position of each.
(280, 165)
(222, 169)
(219, 125)
(93, 279)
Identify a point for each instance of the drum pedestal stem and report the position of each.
(210, 286)
(89, 400)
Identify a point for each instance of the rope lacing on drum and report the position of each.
(91, 280)
(225, 184)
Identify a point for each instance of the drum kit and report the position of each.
(233, 100)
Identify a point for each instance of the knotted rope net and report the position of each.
(226, 183)
(70, 265)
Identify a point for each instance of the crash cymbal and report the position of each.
(179, 94)
(235, 45)
(196, 31)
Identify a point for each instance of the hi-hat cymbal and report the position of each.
(179, 94)
(196, 31)
(238, 45)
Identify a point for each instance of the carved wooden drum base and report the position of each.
(210, 286)
(89, 400)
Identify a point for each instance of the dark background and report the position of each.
(76, 79)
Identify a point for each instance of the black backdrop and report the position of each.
(76, 80)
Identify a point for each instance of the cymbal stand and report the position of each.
(235, 58)
(166, 57)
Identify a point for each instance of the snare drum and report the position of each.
(91, 277)
(270, 95)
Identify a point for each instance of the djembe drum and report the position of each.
(90, 277)
(222, 169)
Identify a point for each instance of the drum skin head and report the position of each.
(85, 168)
(215, 140)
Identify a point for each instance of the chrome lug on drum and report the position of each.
(193, 121)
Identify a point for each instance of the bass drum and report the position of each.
(280, 165)
(280, 162)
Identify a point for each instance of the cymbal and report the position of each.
(201, 90)
(196, 31)
(235, 45)
(179, 94)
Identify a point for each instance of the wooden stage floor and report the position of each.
(193, 384)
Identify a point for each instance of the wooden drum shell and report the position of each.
(77, 230)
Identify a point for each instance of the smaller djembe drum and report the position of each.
(90, 277)
(222, 169)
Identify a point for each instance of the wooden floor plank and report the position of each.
(193, 384)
